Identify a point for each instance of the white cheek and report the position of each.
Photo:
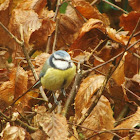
(60, 64)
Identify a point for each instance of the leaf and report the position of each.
(100, 115)
(54, 125)
(4, 5)
(133, 85)
(38, 64)
(36, 5)
(39, 37)
(13, 133)
(92, 12)
(129, 123)
(90, 35)
(129, 21)
(136, 136)
(131, 65)
(29, 21)
(68, 27)
(6, 94)
(134, 4)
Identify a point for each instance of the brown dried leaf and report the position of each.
(117, 95)
(114, 35)
(69, 25)
(40, 36)
(90, 35)
(36, 5)
(129, 123)
(101, 118)
(129, 21)
(133, 85)
(39, 135)
(7, 91)
(136, 136)
(29, 21)
(13, 133)
(92, 12)
(4, 5)
(132, 65)
(118, 74)
(101, 114)
(54, 125)
(5, 39)
(135, 4)
(85, 95)
(38, 63)
(17, 85)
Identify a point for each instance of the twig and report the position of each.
(132, 93)
(54, 19)
(26, 126)
(112, 59)
(104, 131)
(73, 135)
(136, 34)
(122, 114)
(55, 105)
(98, 96)
(21, 43)
(1, 114)
(55, 36)
(126, 48)
(115, 6)
(95, 131)
(94, 1)
(72, 92)
(85, 20)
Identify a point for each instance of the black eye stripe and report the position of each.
(60, 59)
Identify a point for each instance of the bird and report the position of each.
(57, 73)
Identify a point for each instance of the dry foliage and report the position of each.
(102, 103)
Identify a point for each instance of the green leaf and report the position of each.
(63, 8)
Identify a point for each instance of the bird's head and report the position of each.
(60, 60)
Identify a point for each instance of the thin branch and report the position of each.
(94, 2)
(98, 96)
(112, 59)
(21, 43)
(55, 36)
(72, 92)
(115, 6)
(26, 126)
(54, 19)
(132, 93)
(1, 114)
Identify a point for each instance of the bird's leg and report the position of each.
(63, 91)
(55, 99)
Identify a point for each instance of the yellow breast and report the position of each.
(55, 79)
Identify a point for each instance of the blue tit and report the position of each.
(58, 71)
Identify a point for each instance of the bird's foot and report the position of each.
(63, 91)
(55, 99)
